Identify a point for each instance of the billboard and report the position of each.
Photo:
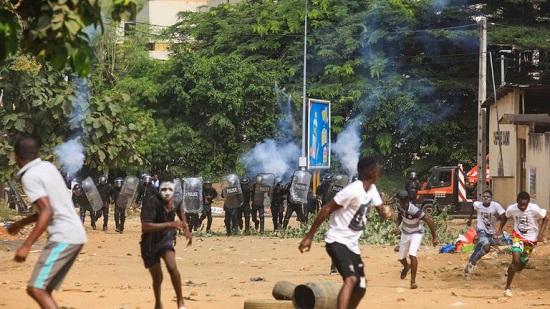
(318, 148)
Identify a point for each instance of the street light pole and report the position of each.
(303, 160)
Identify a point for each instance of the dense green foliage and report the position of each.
(54, 30)
(405, 70)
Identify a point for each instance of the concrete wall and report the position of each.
(538, 168)
(164, 12)
(506, 105)
(536, 179)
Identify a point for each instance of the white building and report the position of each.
(163, 13)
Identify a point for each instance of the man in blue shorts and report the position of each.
(46, 189)
(348, 210)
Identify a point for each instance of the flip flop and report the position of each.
(404, 272)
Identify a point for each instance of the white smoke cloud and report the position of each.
(71, 156)
(272, 157)
(346, 148)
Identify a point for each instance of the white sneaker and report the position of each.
(508, 293)
(468, 270)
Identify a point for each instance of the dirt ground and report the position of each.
(222, 272)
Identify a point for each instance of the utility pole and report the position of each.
(481, 112)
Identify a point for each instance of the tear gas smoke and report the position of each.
(346, 147)
(271, 157)
(278, 156)
(71, 155)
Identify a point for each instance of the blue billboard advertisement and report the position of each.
(318, 134)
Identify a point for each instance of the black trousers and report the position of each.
(206, 214)
(120, 218)
(83, 210)
(290, 208)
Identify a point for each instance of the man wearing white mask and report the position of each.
(158, 238)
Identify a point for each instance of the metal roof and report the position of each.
(540, 89)
(537, 119)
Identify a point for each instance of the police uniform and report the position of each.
(208, 196)
(106, 192)
(277, 204)
(120, 210)
(84, 205)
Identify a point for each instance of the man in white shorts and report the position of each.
(46, 189)
(409, 217)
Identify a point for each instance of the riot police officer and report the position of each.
(106, 192)
(244, 210)
(412, 185)
(120, 210)
(277, 203)
(80, 199)
(323, 188)
(292, 207)
(208, 196)
(146, 191)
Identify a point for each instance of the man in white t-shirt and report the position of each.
(348, 210)
(525, 235)
(46, 189)
(410, 218)
(487, 213)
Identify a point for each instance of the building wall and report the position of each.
(164, 12)
(536, 171)
(508, 135)
(538, 168)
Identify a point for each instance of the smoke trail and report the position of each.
(71, 155)
(346, 147)
(276, 155)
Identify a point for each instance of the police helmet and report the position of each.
(118, 182)
(278, 180)
(102, 179)
(207, 181)
(146, 178)
(244, 180)
(327, 178)
(413, 175)
(77, 189)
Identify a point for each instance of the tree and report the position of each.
(208, 108)
(56, 30)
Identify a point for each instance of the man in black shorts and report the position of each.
(159, 229)
(348, 210)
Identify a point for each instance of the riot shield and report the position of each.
(192, 195)
(263, 189)
(127, 192)
(299, 187)
(178, 191)
(231, 191)
(92, 194)
(339, 181)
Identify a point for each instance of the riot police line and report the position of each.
(241, 200)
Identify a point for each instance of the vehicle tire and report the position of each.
(268, 304)
(429, 209)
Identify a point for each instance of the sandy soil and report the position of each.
(222, 272)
